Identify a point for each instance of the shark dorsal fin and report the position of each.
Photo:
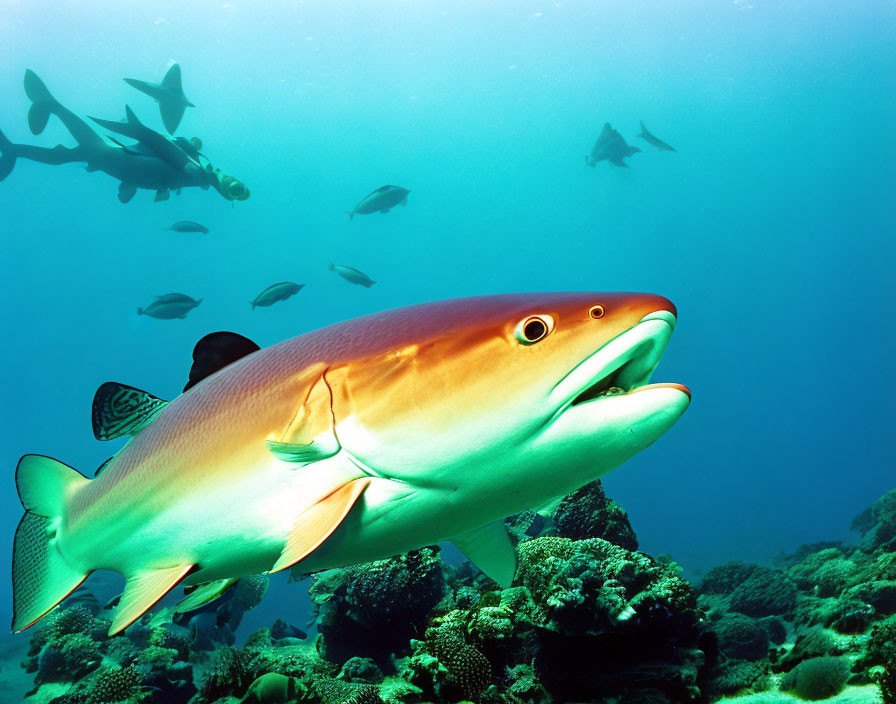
(119, 410)
(215, 351)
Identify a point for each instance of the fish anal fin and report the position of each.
(310, 435)
(119, 410)
(491, 550)
(317, 523)
(142, 591)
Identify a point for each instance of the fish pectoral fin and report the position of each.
(126, 191)
(161, 194)
(317, 523)
(142, 591)
(204, 594)
(119, 410)
(385, 210)
(491, 550)
(303, 454)
(310, 436)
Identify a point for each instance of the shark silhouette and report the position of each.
(169, 94)
(610, 146)
(154, 163)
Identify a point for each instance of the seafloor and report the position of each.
(589, 619)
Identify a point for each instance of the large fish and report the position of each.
(355, 442)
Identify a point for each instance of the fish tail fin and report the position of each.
(139, 311)
(42, 102)
(7, 156)
(41, 576)
(252, 303)
(331, 267)
(644, 131)
(350, 213)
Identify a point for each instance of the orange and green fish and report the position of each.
(355, 442)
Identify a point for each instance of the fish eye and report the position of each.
(534, 328)
(596, 312)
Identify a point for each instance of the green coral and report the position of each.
(373, 610)
(113, 683)
(818, 678)
(725, 578)
(766, 592)
(272, 688)
(741, 638)
(588, 513)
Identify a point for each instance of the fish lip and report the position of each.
(625, 362)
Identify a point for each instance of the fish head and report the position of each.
(540, 392)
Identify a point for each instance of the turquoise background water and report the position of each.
(772, 227)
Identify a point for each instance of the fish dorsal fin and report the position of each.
(142, 591)
(310, 435)
(317, 523)
(119, 410)
(215, 351)
(204, 594)
(491, 550)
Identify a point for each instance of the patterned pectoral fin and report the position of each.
(317, 523)
(310, 436)
(121, 410)
(142, 591)
(491, 550)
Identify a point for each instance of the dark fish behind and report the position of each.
(382, 200)
(654, 141)
(610, 146)
(276, 292)
(187, 226)
(170, 306)
(352, 275)
(174, 298)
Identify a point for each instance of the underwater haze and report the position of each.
(771, 226)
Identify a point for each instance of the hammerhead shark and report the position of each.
(610, 146)
(169, 94)
(362, 440)
(155, 162)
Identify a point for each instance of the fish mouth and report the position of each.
(621, 367)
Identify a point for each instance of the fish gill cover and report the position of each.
(727, 175)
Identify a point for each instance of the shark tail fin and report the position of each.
(41, 576)
(42, 102)
(7, 156)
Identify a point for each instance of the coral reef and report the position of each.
(374, 610)
(588, 513)
(588, 619)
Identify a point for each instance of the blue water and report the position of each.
(772, 227)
